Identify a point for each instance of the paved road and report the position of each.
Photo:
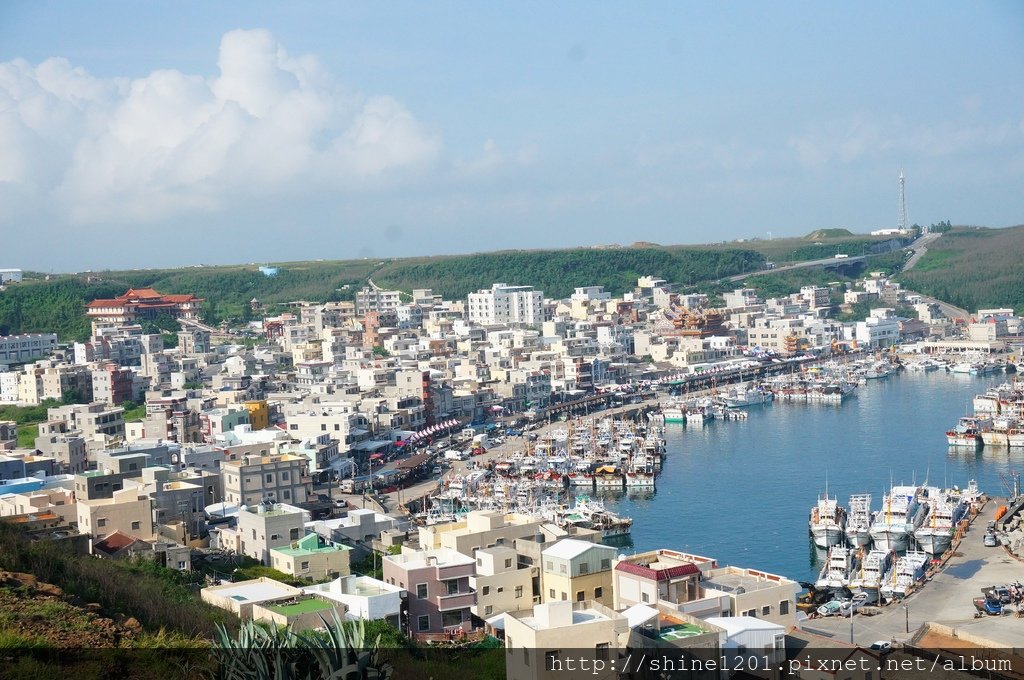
(799, 265)
(946, 599)
(920, 247)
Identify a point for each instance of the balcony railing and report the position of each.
(456, 601)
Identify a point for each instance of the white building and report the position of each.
(364, 597)
(506, 305)
(27, 347)
(10, 275)
(878, 330)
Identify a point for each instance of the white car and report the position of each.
(881, 646)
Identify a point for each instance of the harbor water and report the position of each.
(741, 491)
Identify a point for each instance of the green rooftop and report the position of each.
(309, 545)
(680, 631)
(300, 607)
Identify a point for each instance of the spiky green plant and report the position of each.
(340, 652)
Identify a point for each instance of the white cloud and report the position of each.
(168, 143)
(849, 139)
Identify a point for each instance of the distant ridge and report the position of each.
(822, 234)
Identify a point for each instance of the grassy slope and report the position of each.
(973, 267)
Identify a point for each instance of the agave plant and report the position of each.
(279, 653)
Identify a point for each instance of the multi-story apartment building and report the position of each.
(281, 478)
(127, 511)
(98, 423)
(506, 305)
(539, 642)
(16, 349)
(312, 558)
(440, 597)
(698, 586)
(371, 299)
(262, 527)
(577, 570)
(502, 584)
(112, 384)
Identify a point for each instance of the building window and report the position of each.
(644, 597)
(565, 596)
(750, 612)
(136, 526)
(284, 475)
(550, 659)
(580, 596)
(453, 587)
(519, 591)
(551, 593)
(561, 568)
(293, 534)
(783, 607)
(304, 566)
(423, 623)
(602, 651)
(487, 610)
(606, 563)
(766, 610)
(508, 563)
(421, 591)
(449, 619)
(598, 592)
(550, 565)
(584, 568)
(101, 523)
(487, 590)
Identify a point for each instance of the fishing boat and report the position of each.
(673, 412)
(827, 522)
(859, 520)
(936, 534)
(909, 570)
(872, 572)
(967, 432)
(895, 521)
(835, 573)
(738, 397)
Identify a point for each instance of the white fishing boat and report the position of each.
(872, 570)
(909, 570)
(894, 522)
(967, 432)
(936, 534)
(827, 522)
(739, 397)
(835, 573)
(859, 520)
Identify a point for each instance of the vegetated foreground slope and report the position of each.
(973, 268)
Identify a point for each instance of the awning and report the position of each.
(372, 445)
(358, 432)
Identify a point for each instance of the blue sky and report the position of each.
(153, 134)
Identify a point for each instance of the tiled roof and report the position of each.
(658, 574)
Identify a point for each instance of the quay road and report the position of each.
(946, 599)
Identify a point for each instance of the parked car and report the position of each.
(881, 646)
(340, 503)
(990, 540)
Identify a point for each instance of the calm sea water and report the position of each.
(741, 491)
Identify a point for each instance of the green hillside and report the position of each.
(558, 272)
(973, 267)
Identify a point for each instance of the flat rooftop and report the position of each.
(300, 607)
(728, 581)
(578, 617)
(254, 591)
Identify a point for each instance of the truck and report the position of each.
(481, 441)
(453, 454)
